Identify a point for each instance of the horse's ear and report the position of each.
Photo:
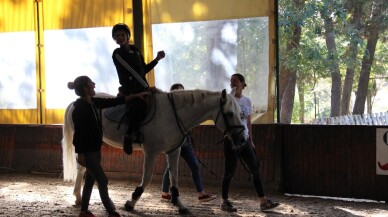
(233, 91)
(223, 96)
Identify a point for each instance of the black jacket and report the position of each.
(136, 61)
(87, 123)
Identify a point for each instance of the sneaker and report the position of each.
(227, 206)
(127, 145)
(269, 204)
(86, 214)
(206, 197)
(115, 214)
(166, 198)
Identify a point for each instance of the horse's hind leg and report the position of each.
(173, 165)
(148, 170)
(78, 185)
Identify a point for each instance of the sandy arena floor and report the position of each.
(26, 194)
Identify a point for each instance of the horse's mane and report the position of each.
(190, 97)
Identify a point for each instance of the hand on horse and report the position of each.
(137, 95)
(142, 95)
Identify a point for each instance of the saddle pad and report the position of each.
(115, 113)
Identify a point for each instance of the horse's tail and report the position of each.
(68, 155)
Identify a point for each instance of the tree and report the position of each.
(373, 28)
(354, 34)
(288, 73)
(326, 13)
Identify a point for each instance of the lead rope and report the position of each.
(179, 122)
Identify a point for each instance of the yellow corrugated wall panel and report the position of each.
(19, 116)
(54, 116)
(72, 14)
(166, 11)
(16, 15)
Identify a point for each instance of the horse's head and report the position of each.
(229, 120)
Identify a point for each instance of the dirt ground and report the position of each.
(32, 194)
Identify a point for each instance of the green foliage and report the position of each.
(310, 58)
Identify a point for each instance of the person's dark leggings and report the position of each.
(249, 158)
(94, 172)
(135, 114)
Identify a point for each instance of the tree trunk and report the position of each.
(301, 90)
(287, 81)
(353, 49)
(333, 64)
(373, 31)
(287, 103)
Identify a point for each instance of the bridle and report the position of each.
(227, 123)
(221, 112)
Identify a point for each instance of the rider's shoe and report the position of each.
(127, 144)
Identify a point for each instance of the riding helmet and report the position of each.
(121, 26)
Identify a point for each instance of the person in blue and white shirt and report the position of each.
(247, 153)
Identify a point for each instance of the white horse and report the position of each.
(173, 115)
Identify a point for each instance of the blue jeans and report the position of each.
(94, 172)
(187, 153)
(248, 156)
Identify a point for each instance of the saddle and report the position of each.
(118, 113)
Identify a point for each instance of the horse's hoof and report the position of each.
(128, 206)
(184, 211)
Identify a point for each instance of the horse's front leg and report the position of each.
(173, 166)
(78, 185)
(148, 170)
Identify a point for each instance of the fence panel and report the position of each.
(322, 160)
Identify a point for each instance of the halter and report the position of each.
(221, 111)
(226, 121)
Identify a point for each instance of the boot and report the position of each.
(128, 144)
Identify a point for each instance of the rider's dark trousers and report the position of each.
(248, 156)
(135, 114)
(94, 172)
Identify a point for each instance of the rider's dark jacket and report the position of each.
(129, 84)
(87, 123)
